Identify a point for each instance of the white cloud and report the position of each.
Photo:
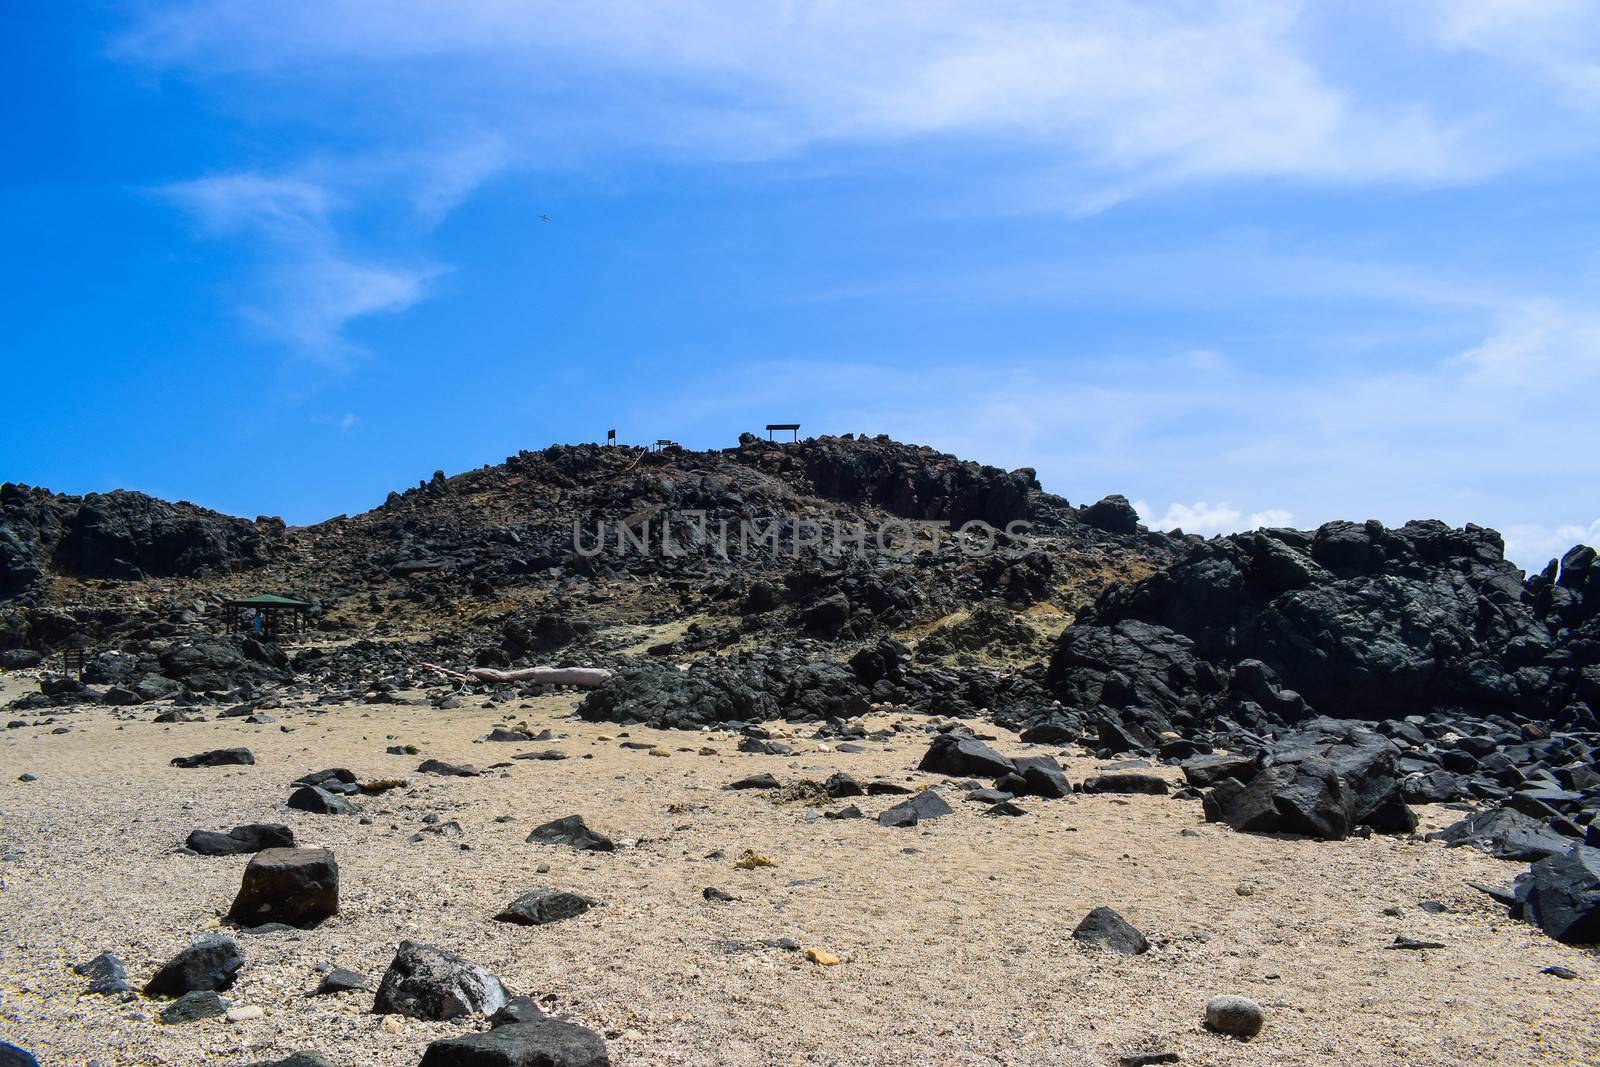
(1428, 441)
(1202, 517)
(1531, 544)
(1140, 92)
(1554, 40)
(1537, 344)
(307, 286)
(1272, 517)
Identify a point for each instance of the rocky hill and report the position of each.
(1310, 682)
(493, 554)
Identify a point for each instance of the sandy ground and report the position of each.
(954, 935)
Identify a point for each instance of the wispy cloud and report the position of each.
(1142, 92)
(1090, 103)
(1204, 518)
(1432, 440)
(306, 285)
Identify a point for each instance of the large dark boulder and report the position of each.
(1565, 895)
(964, 755)
(293, 886)
(1322, 781)
(241, 840)
(425, 982)
(1113, 514)
(211, 962)
(540, 1043)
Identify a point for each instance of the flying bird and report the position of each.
(543, 217)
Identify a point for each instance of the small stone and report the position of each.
(542, 906)
(340, 980)
(1238, 1017)
(822, 957)
(106, 974)
(194, 1006)
(448, 770)
(754, 781)
(573, 832)
(1557, 971)
(244, 1013)
(1246, 889)
(517, 1010)
(217, 757)
(1104, 928)
(1401, 941)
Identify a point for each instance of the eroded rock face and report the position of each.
(1358, 621)
(120, 534)
(425, 982)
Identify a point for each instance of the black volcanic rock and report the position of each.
(542, 906)
(1104, 928)
(1112, 514)
(217, 757)
(962, 755)
(920, 807)
(540, 1043)
(120, 535)
(252, 837)
(1564, 898)
(293, 886)
(572, 832)
(211, 962)
(425, 982)
(1352, 621)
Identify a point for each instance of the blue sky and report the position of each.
(1247, 262)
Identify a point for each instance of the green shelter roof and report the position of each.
(267, 600)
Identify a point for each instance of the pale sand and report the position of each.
(955, 953)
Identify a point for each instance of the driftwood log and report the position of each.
(585, 677)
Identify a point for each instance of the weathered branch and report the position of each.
(584, 677)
